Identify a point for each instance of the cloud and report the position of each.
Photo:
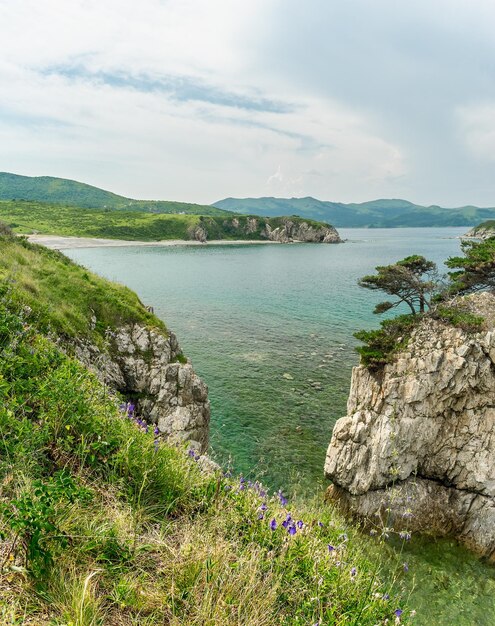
(184, 99)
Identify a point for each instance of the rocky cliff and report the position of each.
(417, 446)
(483, 231)
(147, 367)
(279, 229)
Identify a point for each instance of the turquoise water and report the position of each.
(270, 329)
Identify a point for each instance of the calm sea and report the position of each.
(270, 329)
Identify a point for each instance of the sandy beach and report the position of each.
(57, 242)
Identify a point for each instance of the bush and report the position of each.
(382, 344)
(459, 317)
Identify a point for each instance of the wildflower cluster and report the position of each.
(128, 409)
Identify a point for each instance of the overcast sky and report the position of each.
(196, 100)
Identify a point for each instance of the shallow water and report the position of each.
(270, 329)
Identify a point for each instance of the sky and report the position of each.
(197, 100)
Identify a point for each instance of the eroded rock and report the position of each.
(426, 425)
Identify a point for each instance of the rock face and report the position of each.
(146, 365)
(422, 432)
(291, 231)
(282, 230)
(482, 232)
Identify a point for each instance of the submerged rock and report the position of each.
(424, 428)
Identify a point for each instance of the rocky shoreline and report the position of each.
(417, 446)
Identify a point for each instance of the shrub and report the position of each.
(382, 344)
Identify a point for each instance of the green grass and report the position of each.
(70, 192)
(64, 297)
(51, 219)
(99, 526)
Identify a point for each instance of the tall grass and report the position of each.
(101, 524)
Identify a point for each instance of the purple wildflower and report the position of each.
(156, 431)
(273, 524)
(330, 548)
(353, 571)
(300, 524)
(260, 516)
(263, 507)
(321, 525)
(385, 596)
(292, 529)
(191, 452)
(398, 612)
(282, 498)
(405, 535)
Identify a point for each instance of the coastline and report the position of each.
(59, 242)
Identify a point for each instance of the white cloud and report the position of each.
(196, 100)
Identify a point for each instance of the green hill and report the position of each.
(373, 214)
(53, 219)
(101, 524)
(70, 192)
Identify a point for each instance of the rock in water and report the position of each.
(425, 427)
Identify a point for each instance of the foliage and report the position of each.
(411, 281)
(457, 316)
(475, 270)
(5, 231)
(382, 344)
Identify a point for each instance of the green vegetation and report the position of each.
(101, 524)
(64, 297)
(411, 281)
(475, 271)
(69, 192)
(374, 214)
(51, 219)
(485, 227)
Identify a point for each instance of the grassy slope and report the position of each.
(377, 213)
(70, 192)
(100, 526)
(64, 296)
(28, 217)
(488, 225)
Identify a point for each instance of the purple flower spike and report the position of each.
(292, 530)
(398, 612)
(156, 431)
(282, 498)
(273, 524)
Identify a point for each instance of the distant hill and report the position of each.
(483, 231)
(72, 193)
(373, 214)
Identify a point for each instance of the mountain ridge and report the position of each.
(379, 213)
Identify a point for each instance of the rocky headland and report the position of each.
(483, 231)
(416, 450)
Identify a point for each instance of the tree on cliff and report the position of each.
(474, 271)
(412, 281)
